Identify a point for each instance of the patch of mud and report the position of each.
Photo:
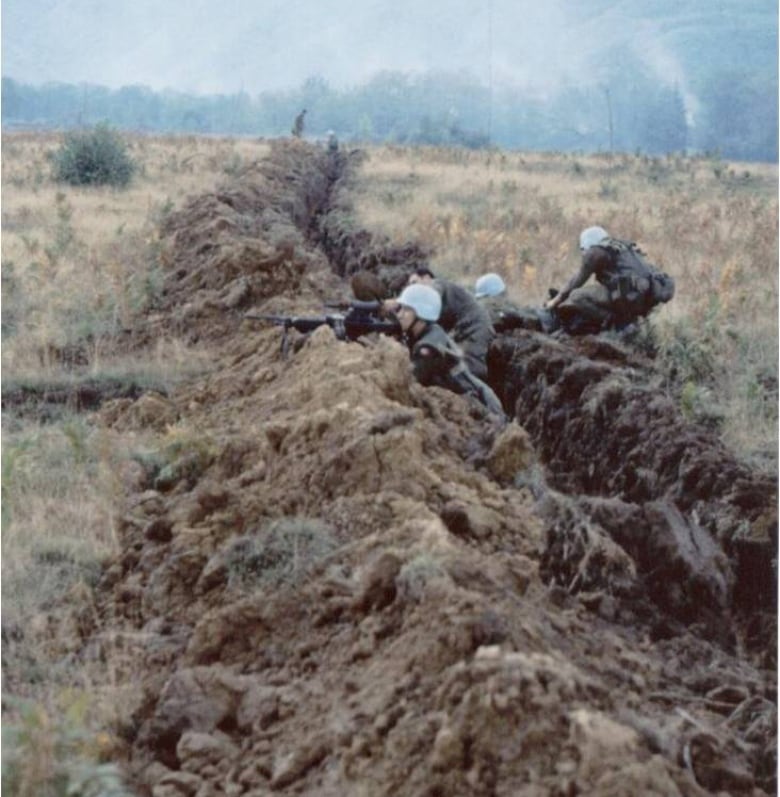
(341, 583)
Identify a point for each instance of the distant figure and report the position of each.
(436, 359)
(627, 285)
(333, 142)
(297, 129)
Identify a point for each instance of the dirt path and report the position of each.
(341, 583)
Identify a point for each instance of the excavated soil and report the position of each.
(342, 583)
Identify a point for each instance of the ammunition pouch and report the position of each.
(661, 287)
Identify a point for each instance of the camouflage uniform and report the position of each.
(505, 315)
(438, 361)
(627, 286)
(467, 322)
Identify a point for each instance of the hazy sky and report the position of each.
(206, 46)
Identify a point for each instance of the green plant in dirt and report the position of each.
(283, 552)
(697, 403)
(64, 234)
(184, 455)
(12, 453)
(687, 354)
(417, 574)
(234, 165)
(94, 157)
(56, 754)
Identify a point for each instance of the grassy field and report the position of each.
(711, 225)
(80, 264)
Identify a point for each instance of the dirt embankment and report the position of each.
(341, 583)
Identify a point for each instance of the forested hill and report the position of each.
(654, 76)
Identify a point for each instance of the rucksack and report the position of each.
(632, 259)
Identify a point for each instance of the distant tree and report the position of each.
(13, 99)
(739, 116)
(664, 128)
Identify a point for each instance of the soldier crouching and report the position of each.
(436, 359)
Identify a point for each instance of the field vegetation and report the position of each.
(80, 266)
(710, 224)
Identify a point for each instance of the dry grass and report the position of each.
(78, 265)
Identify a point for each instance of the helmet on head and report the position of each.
(489, 285)
(424, 300)
(592, 236)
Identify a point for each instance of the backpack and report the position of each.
(632, 260)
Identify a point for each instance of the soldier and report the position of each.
(436, 359)
(297, 129)
(462, 317)
(490, 291)
(627, 286)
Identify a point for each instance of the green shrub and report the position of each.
(94, 157)
(56, 755)
(283, 552)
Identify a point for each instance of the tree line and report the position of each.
(629, 111)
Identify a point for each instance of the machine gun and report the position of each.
(359, 321)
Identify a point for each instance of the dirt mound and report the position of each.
(337, 582)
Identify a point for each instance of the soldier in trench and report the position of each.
(490, 291)
(461, 317)
(626, 285)
(436, 358)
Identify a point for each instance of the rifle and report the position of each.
(346, 327)
(357, 307)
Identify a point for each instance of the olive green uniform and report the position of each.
(505, 315)
(438, 361)
(467, 323)
(626, 288)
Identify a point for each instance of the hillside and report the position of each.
(336, 582)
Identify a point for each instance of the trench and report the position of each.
(607, 434)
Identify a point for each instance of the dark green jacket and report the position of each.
(620, 267)
(438, 361)
(467, 323)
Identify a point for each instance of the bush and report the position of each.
(284, 552)
(94, 157)
(57, 754)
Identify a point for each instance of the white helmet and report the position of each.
(424, 300)
(489, 285)
(591, 237)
